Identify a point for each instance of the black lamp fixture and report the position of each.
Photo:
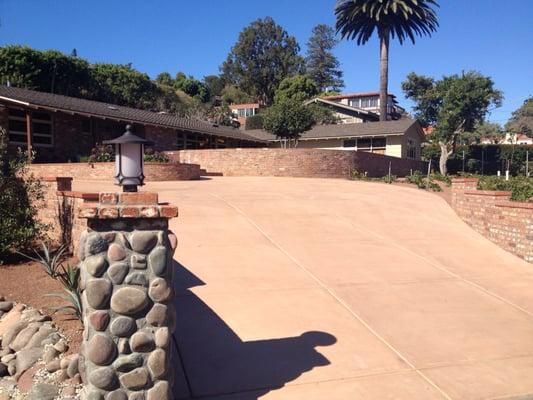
(129, 160)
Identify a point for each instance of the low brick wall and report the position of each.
(58, 211)
(507, 223)
(310, 163)
(105, 171)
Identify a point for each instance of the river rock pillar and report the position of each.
(126, 282)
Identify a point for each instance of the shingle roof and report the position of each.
(113, 111)
(381, 128)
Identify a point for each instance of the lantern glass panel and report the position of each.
(131, 163)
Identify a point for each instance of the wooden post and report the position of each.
(29, 133)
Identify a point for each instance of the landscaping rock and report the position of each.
(162, 337)
(128, 363)
(117, 395)
(43, 391)
(157, 261)
(117, 272)
(24, 337)
(95, 265)
(72, 369)
(53, 366)
(6, 306)
(49, 354)
(116, 252)
(68, 391)
(101, 350)
(26, 358)
(137, 278)
(142, 342)
(129, 300)
(123, 326)
(142, 241)
(103, 378)
(157, 363)
(138, 261)
(136, 379)
(159, 290)
(160, 391)
(61, 346)
(99, 320)
(98, 293)
(12, 333)
(45, 331)
(157, 316)
(7, 358)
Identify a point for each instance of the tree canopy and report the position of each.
(322, 65)
(453, 105)
(521, 120)
(288, 118)
(263, 56)
(298, 87)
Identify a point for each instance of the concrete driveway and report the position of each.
(332, 289)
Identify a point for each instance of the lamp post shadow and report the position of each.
(216, 362)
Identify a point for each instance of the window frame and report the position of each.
(24, 133)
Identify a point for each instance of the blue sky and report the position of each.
(494, 37)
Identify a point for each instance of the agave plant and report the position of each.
(50, 261)
(69, 278)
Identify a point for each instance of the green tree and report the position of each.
(233, 95)
(358, 19)
(287, 119)
(521, 120)
(322, 65)
(298, 87)
(215, 84)
(164, 78)
(194, 88)
(263, 56)
(122, 85)
(452, 105)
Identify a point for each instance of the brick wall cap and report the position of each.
(515, 204)
(496, 193)
(80, 195)
(55, 178)
(464, 180)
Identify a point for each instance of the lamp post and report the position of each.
(129, 160)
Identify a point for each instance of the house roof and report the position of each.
(55, 102)
(367, 129)
(354, 95)
(360, 111)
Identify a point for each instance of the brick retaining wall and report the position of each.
(310, 163)
(106, 171)
(507, 223)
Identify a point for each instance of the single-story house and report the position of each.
(61, 128)
(400, 138)
(346, 113)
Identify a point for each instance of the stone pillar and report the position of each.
(126, 281)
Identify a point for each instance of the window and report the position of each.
(364, 144)
(355, 103)
(411, 148)
(349, 143)
(379, 143)
(41, 125)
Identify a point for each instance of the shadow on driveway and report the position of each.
(217, 362)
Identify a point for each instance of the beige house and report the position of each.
(401, 138)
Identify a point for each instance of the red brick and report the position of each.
(168, 211)
(108, 198)
(130, 212)
(108, 212)
(149, 212)
(88, 212)
(138, 198)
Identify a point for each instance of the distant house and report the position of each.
(61, 128)
(509, 138)
(401, 138)
(369, 102)
(242, 111)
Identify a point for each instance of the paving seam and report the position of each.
(335, 297)
(437, 266)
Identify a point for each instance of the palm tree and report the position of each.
(357, 19)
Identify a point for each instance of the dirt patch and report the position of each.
(27, 283)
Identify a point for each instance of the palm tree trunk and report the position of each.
(383, 73)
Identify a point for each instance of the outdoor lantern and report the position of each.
(129, 160)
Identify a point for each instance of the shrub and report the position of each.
(422, 182)
(20, 194)
(151, 155)
(254, 122)
(521, 188)
(102, 153)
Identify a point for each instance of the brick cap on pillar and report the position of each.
(127, 205)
